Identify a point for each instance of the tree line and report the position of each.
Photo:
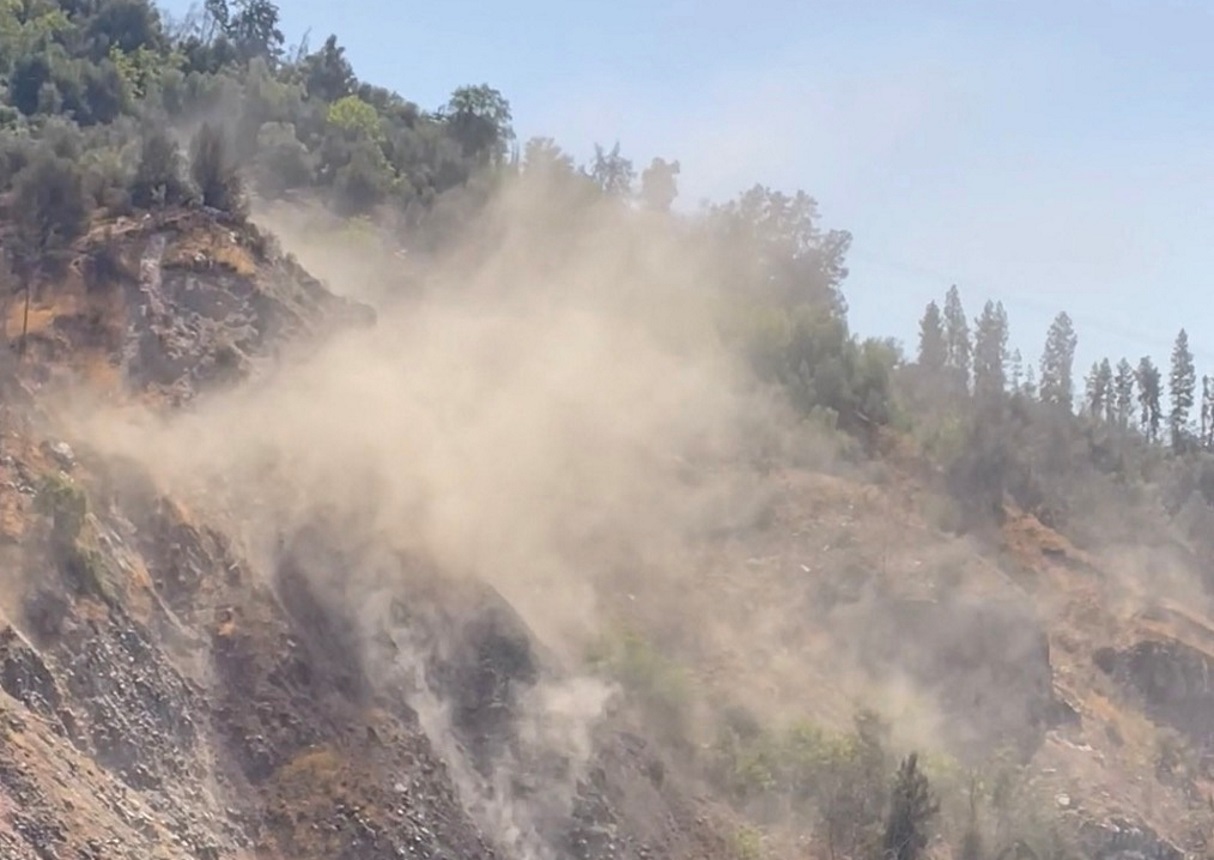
(1129, 397)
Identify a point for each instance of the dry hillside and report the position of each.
(195, 671)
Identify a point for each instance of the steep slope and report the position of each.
(164, 696)
(1014, 641)
(171, 303)
(176, 684)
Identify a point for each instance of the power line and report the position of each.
(1086, 321)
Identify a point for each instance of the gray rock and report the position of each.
(63, 454)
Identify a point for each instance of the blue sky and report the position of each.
(1055, 155)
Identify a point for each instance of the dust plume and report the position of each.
(523, 425)
(553, 417)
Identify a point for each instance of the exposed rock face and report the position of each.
(217, 722)
(1173, 682)
(989, 665)
(1118, 839)
(458, 646)
(202, 311)
(208, 710)
(182, 301)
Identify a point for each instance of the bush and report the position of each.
(158, 179)
(65, 503)
(806, 350)
(84, 567)
(214, 172)
(911, 810)
(836, 779)
(747, 844)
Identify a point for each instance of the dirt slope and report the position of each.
(166, 696)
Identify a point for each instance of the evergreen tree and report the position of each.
(990, 351)
(1057, 361)
(1016, 366)
(933, 349)
(479, 118)
(911, 810)
(1181, 383)
(1099, 398)
(1030, 383)
(1124, 387)
(1207, 413)
(1093, 392)
(1110, 391)
(1149, 389)
(957, 339)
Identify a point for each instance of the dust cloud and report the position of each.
(541, 412)
(549, 413)
(551, 416)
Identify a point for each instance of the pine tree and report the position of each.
(1030, 383)
(972, 847)
(911, 809)
(1124, 387)
(990, 351)
(957, 339)
(1181, 383)
(1207, 413)
(1110, 391)
(1057, 361)
(1093, 396)
(1099, 392)
(933, 350)
(1016, 366)
(1149, 384)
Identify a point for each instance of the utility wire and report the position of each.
(1082, 321)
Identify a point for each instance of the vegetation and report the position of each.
(60, 499)
(65, 503)
(658, 686)
(107, 109)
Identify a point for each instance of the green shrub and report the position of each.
(660, 688)
(65, 503)
(747, 844)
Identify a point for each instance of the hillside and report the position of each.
(370, 489)
(174, 689)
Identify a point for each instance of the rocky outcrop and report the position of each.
(210, 298)
(179, 302)
(197, 715)
(1171, 681)
(1118, 839)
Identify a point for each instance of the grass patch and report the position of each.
(660, 688)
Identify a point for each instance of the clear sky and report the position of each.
(1057, 155)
